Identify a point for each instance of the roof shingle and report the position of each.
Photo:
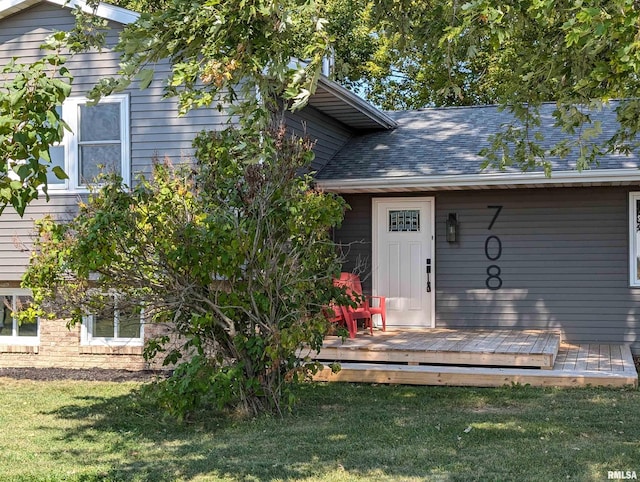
(447, 141)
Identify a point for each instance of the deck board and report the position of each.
(627, 360)
(583, 357)
(541, 341)
(500, 337)
(593, 358)
(461, 340)
(605, 358)
(570, 357)
(617, 364)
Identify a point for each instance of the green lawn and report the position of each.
(88, 431)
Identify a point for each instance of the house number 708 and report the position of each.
(493, 251)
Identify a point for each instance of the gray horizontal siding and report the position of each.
(564, 264)
(328, 135)
(564, 261)
(156, 129)
(354, 238)
(17, 234)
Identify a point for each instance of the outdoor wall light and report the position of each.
(452, 228)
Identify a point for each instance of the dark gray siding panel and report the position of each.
(327, 134)
(354, 238)
(563, 265)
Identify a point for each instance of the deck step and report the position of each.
(474, 376)
(505, 348)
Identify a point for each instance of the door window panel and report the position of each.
(404, 220)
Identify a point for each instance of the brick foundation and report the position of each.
(60, 348)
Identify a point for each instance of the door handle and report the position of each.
(428, 275)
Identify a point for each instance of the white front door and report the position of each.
(403, 250)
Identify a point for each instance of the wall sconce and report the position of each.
(452, 228)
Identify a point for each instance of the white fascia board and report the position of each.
(10, 4)
(9, 7)
(348, 97)
(425, 183)
(109, 12)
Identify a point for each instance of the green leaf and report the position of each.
(145, 77)
(59, 172)
(17, 96)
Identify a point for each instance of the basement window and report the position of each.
(12, 330)
(116, 325)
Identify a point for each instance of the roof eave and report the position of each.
(378, 119)
(109, 12)
(481, 181)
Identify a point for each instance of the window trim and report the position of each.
(87, 338)
(16, 340)
(634, 245)
(71, 145)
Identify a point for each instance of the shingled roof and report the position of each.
(441, 146)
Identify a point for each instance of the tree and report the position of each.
(235, 254)
(29, 123)
(516, 54)
(393, 53)
(236, 55)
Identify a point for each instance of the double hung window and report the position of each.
(98, 142)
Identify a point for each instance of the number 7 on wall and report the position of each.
(495, 216)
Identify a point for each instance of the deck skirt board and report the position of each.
(532, 348)
(476, 358)
(473, 376)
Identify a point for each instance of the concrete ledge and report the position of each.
(19, 349)
(111, 350)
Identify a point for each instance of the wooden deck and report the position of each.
(476, 358)
(510, 348)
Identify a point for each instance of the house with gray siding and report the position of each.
(447, 243)
(130, 129)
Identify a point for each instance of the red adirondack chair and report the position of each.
(336, 314)
(364, 310)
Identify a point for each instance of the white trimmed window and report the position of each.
(114, 326)
(634, 239)
(12, 330)
(98, 142)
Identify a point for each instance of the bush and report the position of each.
(234, 252)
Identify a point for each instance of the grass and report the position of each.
(86, 431)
